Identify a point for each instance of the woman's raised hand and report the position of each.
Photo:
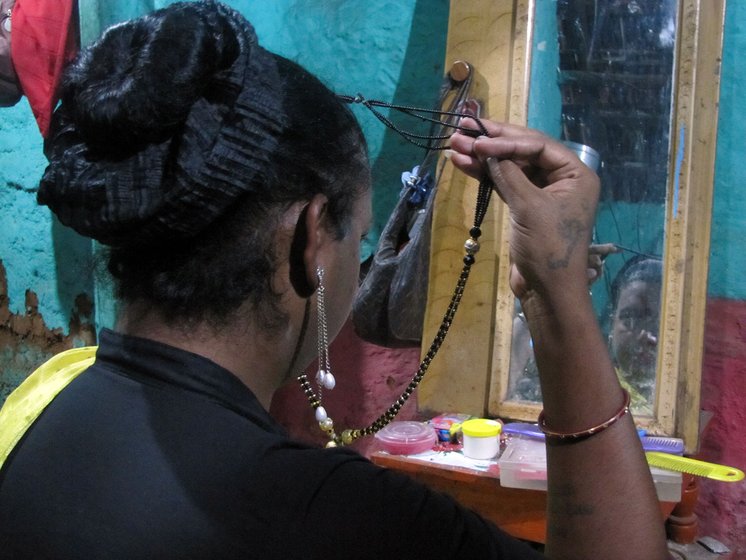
(592, 512)
(552, 198)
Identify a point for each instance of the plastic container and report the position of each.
(444, 422)
(481, 438)
(406, 438)
(667, 484)
(523, 464)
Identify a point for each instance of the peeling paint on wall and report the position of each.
(26, 341)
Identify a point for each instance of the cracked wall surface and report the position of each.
(26, 340)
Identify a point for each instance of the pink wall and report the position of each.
(722, 506)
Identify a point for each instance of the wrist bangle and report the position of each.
(570, 437)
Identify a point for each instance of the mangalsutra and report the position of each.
(471, 247)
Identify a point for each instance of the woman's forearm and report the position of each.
(600, 492)
(601, 500)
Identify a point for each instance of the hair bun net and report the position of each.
(164, 122)
(142, 78)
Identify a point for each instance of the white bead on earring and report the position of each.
(324, 377)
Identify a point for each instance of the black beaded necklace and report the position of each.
(435, 141)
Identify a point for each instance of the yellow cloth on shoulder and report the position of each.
(24, 405)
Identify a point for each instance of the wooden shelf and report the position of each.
(518, 512)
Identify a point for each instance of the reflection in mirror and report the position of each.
(633, 334)
(615, 61)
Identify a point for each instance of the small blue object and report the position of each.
(523, 429)
(419, 187)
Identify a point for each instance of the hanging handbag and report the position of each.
(389, 308)
(390, 305)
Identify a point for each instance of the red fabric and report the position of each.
(43, 39)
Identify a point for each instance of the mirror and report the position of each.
(638, 83)
(613, 84)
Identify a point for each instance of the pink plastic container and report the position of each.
(406, 438)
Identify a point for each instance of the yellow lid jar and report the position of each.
(481, 438)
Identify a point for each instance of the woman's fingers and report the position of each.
(462, 151)
(544, 161)
(464, 162)
(596, 255)
(495, 129)
(551, 196)
(505, 175)
(602, 250)
(508, 180)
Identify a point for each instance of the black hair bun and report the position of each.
(164, 123)
(138, 82)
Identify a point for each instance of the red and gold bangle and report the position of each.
(570, 437)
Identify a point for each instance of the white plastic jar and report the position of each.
(481, 438)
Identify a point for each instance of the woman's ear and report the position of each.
(308, 242)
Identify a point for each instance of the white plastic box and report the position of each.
(523, 464)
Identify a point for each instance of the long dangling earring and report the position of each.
(324, 377)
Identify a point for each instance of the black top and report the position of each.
(154, 452)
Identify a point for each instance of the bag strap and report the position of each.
(24, 405)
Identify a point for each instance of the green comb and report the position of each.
(693, 466)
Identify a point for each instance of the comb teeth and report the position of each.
(664, 444)
(699, 471)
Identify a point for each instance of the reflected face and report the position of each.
(634, 334)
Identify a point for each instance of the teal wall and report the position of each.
(727, 277)
(389, 50)
(544, 99)
(36, 251)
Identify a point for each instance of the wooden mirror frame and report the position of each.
(470, 373)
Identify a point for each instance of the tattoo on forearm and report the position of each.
(563, 509)
(571, 231)
(562, 501)
(563, 524)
